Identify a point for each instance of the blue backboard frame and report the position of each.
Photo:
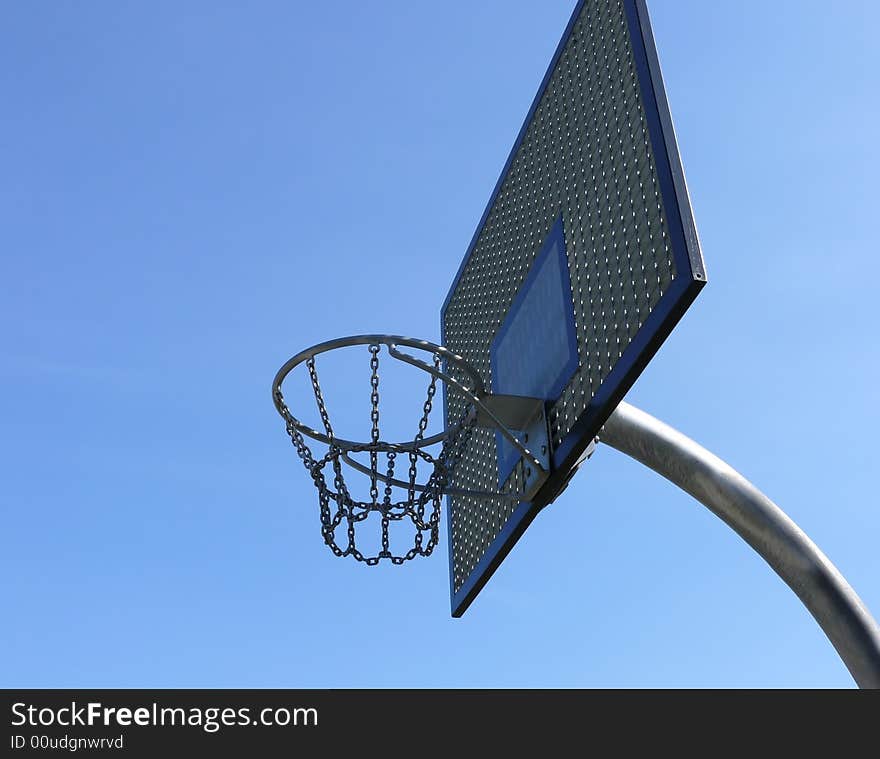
(690, 279)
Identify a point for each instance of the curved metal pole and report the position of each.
(763, 525)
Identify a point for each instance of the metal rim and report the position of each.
(391, 341)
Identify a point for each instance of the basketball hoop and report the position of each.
(391, 497)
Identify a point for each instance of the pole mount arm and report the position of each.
(763, 525)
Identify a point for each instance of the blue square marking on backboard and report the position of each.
(535, 352)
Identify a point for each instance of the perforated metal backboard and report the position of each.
(583, 261)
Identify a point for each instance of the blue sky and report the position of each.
(192, 192)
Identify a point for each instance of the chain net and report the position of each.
(341, 514)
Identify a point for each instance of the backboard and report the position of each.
(582, 263)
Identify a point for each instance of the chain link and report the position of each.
(319, 397)
(423, 425)
(374, 417)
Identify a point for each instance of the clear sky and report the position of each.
(192, 192)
